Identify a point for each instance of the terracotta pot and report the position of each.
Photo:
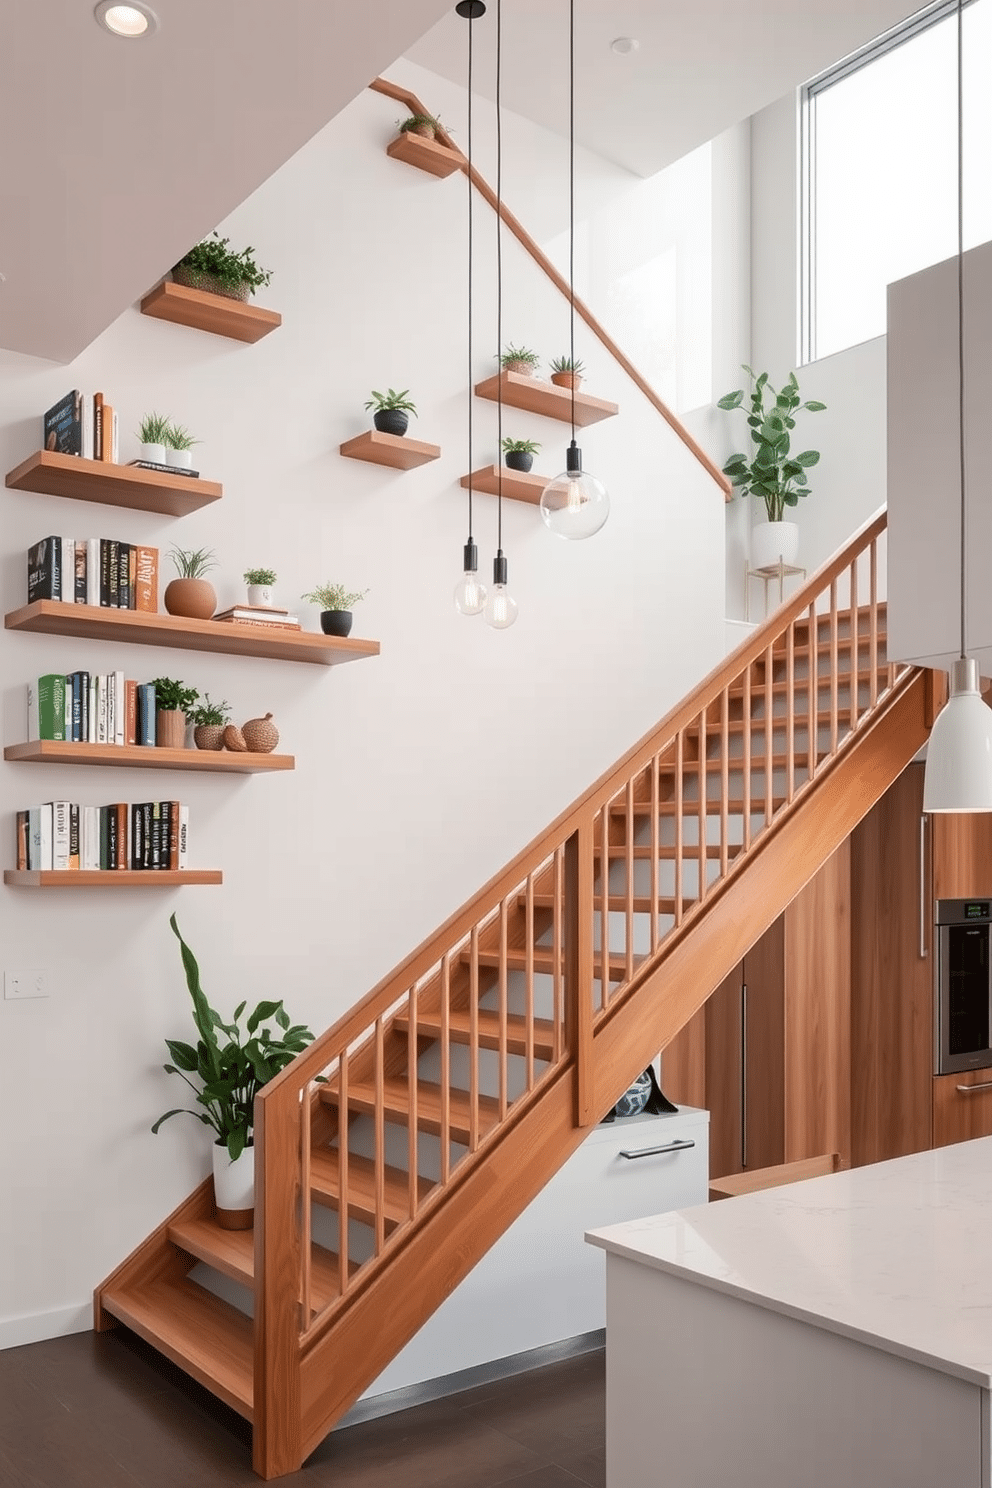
(209, 736)
(234, 1188)
(260, 734)
(193, 599)
(170, 729)
(567, 379)
(197, 279)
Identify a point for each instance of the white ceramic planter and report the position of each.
(182, 458)
(771, 541)
(154, 452)
(260, 594)
(234, 1188)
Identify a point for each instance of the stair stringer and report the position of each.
(493, 1189)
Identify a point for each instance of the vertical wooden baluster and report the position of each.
(746, 763)
(790, 710)
(655, 844)
(724, 782)
(769, 734)
(834, 663)
(812, 692)
(701, 808)
(529, 982)
(473, 1040)
(503, 1099)
(380, 1136)
(343, 1207)
(559, 949)
(306, 1252)
(412, 1153)
(604, 918)
(679, 823)
(873, 625)
(445, 1068)
(629, 899)
(856, 624)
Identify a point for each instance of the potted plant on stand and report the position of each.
(225, 1070)
(151, 436)
(391, 410)
(520, 359)
(335, 607)
(520, 453)
(173, 700)
(212, 266)
(191, 595)
(209, 720)
(567, 372)
(260, 582)
(773, 472)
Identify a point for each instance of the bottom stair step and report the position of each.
(206, 1337)
(232, 1252)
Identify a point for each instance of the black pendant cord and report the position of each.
(961, 448)
(499, 275)
(471, 188)
(571, 197)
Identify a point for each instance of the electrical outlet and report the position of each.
(31, 981)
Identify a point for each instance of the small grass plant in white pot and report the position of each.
(179, 444)
(151, 436)
(260, 582)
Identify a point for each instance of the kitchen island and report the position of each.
(836, 1333)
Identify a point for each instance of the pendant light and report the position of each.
(958, 774)
(470, 593)
(575, 504)
(500, 608)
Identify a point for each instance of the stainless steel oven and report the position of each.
(962, 1025)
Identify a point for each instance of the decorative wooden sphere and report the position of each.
(260, 734)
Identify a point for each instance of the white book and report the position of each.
(89, 846)
(183, 836)
(86, 414)
(115, 443)
(60, 833)
(68, 548)
(119, 708)
(108, 686)
(92, 719)
(43, 840)
(101, 708)
(93, 571)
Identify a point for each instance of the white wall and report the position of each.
(418, 773)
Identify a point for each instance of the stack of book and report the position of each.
(94, 571)
(258, 615)
(91, 708)
(82, 424)
(62, 835)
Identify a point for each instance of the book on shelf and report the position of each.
(147, 713)
(62, 426)
(22, 820)
(98, 426)
(146, 580)
(82, 424)
(60, 834)
(165, 469)
(252, 610)
(45, 569)
(46, 708)
(64, 837)
(40, 837)
(242, 615)
(100, 571)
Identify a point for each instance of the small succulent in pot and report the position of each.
(567, 371)
(191, 595)
(179, 444)
(151, 436)
(426, 125)
(208, 720)
(260, 582)
(335, 603)
(520, 453)
(212, 266)
(173, 701)
(520, 359)
(391, 410)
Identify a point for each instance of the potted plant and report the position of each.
(225, 1070)
(179, 444)
(567, 372)
(208, 720)
(173, 700)
(212, 266)
(259, 581)
(426, 125)
(151, 435)
(520, 453)
(335, 607)
(520, 359)
(191, 595)
(391, 410)
(773, 472)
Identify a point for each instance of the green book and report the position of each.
(46, 707)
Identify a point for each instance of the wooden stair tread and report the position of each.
(396, 1105)
(460, 1029)
(325, 1186)
(204, 1336)
(232, 1252)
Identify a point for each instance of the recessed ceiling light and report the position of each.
(130, 21)
(624, 45)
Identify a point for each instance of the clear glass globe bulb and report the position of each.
(575, 504)
(501, 608)
(470, 594)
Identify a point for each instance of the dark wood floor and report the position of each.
(105, 1411)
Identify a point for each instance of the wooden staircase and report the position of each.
(458, 1086)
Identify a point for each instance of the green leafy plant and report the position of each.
(153, 429)
(333, 597)
(176, 437)
(193, 563)
(567, 364)
(209, 714)
(773, 473)
(418, 121)
(173, 696)
(520, 446)
(381, 402)
(264, 576)
(229, 1064)
(519, 354)
(213, 256)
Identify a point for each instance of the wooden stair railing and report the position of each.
(454, 1090)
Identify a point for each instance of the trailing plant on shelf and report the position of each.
(230, 1063)
(335, 606)
(213, 266)
(209, 714)
(391, 410)
(772, 473)
(519, 359)
(263, 576)
(173, 696)
(425, 125)
(193, 563)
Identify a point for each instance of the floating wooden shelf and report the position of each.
(53, 617)
(390, 449)
(110, 484)
(545, 398)
(213, 761)
(118, 878)
(518, 485)
(209, 312)
(425, 154)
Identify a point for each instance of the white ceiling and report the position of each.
(702, 65)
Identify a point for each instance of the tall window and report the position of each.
(880, 169)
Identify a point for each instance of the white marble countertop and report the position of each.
(898, 1254)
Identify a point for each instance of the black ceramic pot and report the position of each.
(391, 421)
(519, 460)
(336, 622)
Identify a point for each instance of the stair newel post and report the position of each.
(277, 1446)
(578, 961)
